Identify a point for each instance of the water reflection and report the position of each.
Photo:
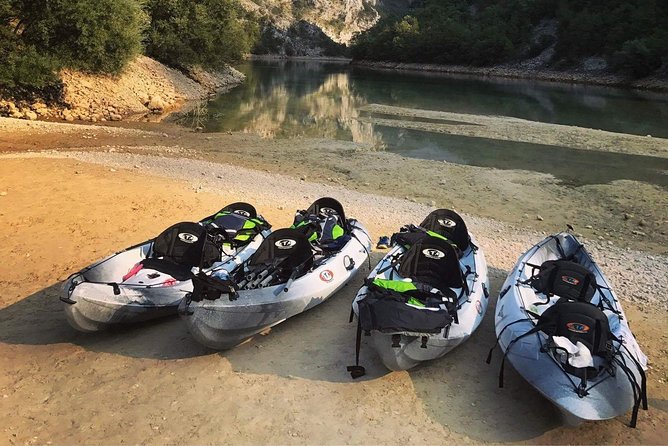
(286, 99)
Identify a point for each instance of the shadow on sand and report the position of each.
(462, 392)
(39, 320)
(459, 390)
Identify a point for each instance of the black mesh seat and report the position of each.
(328, 207)
(566, 279)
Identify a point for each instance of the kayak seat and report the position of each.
(432, 261)
(178, 272)
(449, 224)
(236, 224)
(578, 321)
(324, 224)
(564, 278)
(180, 248)
(284, 254)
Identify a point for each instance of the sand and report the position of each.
(153, 384)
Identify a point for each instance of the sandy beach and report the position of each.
(106, 188)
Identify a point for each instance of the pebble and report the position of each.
(112, 170)
(589, 227)
(539, 218)
(642, 223)
(3, 193)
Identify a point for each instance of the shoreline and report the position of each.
(270, 57)
(654, 84)
(622, 212)
(145, 90)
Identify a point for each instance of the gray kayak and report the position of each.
(224, 322)
(409, 350)
(540, 336)
(98, 296)
(149, 280)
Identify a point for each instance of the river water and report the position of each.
(283, 99)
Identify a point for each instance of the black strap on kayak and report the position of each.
(505, 354)
(641, 388)
(357, 370)
(353, 235)
(491, 350)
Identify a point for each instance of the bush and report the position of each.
(98, 36)
(24, 72)
(636, 58)
(209, 33)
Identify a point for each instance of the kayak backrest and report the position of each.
(327, 206)
(287, 248)
(324, 224)
(450, 225)
(578, 321)
(237, 223)
(566, 279)
(432, 261)
(186, 244)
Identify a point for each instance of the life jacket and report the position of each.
(236, 224)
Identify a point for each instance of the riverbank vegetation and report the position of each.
(632, 36)
(39, 37)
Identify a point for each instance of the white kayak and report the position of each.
(404, 328)
(562, 328)
(149, 280)
(287, 275)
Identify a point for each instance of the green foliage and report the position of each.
(39, 37)
(450, 31)
(198, 32)
(98, 36)
(632, 34)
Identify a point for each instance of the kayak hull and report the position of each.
(608, 396)
(222, 324)
(412, 351)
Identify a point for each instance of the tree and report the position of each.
(198, 32)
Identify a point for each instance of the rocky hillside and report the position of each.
(145, 89)
(317, 27)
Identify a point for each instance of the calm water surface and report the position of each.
(283, 99)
